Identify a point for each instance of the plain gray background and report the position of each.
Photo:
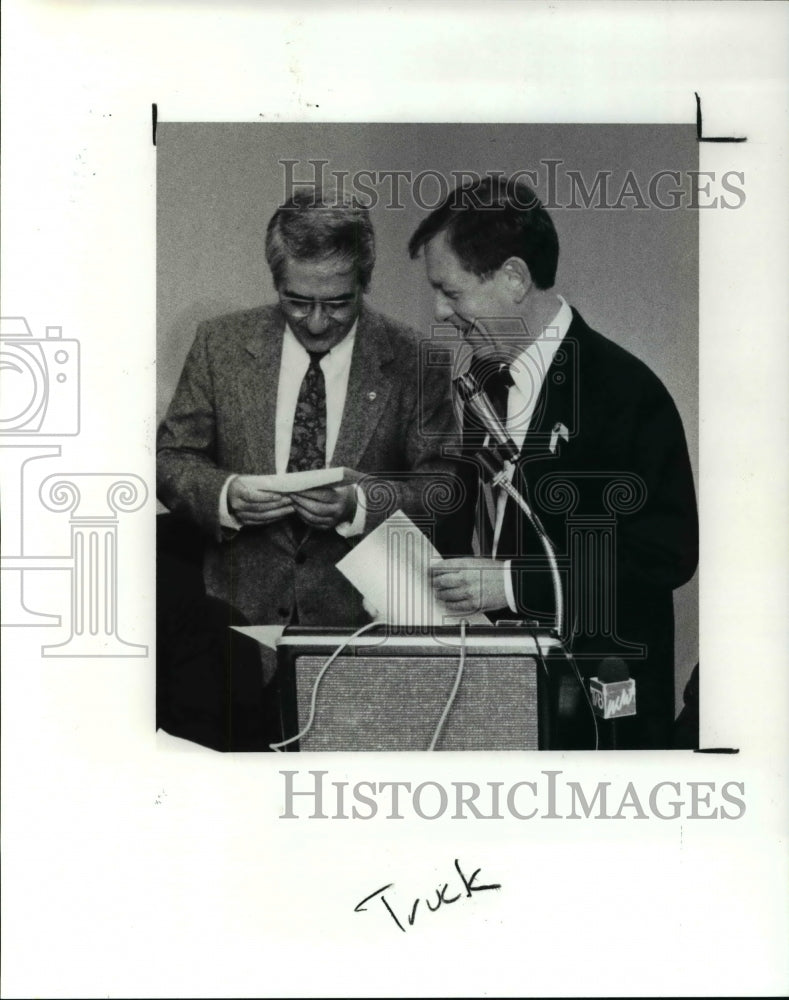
(632, 272)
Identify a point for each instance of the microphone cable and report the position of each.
(455, 686)
(571, 660)
(314, 699)
(532, 630)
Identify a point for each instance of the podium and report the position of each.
(388, 688)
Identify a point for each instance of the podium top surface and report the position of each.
(495, 639)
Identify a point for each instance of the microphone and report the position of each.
(473, 396)
(480, 405)
(613, 693)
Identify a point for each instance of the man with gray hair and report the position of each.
(316, 379)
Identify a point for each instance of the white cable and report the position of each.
(318, 679)
(501, 480)
(455, 686)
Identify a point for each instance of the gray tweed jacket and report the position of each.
(397, 428)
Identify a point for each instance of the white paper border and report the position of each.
(134, 872)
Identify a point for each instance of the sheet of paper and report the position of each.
(296, 482)
(391, 569)
(266, 635)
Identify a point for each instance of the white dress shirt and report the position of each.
(528, 372)
(336, 367)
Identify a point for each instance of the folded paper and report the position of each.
(391, 569)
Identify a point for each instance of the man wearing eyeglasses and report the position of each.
(317, 379)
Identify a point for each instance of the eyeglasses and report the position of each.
(303, 307)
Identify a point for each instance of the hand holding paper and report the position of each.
(326, 506)
(321, 497)
(252, 505)
(391, 569)
(469, 584)
(299, 482)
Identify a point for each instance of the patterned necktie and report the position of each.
(308, 441)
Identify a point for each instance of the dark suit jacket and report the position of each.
(622, 477)
(221, 420)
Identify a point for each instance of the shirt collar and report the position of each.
(538, 356)
(339, 354)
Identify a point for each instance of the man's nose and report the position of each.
(442, 308)
(317, 320)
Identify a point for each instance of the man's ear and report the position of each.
(515, 273)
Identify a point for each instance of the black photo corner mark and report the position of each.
(702, 138)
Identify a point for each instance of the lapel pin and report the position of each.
(559, 431)
(371, 396)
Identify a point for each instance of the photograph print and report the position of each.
(428, 433)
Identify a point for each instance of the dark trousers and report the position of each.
(209, 679)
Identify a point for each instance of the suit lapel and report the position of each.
(369, 389)
(557, 414)
(257, 384)
(557, 410)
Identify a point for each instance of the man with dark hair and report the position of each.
(488, 222)
(317, 379)
(602, 457)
